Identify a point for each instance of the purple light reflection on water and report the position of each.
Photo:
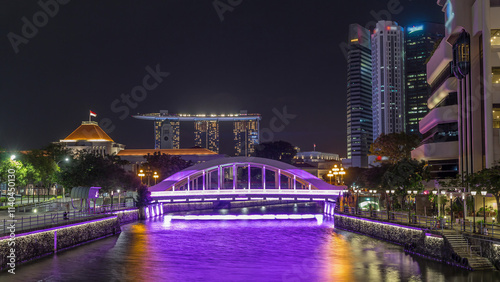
(246, 250)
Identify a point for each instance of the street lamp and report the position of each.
(474, 209)
(356, 190)
(12, 157)
(483, 193)
(415, 201)
(335, 170)
(443, 193)
(118, 197)
(342, 173)
(330, 174)
(155, 176)
(141, 174)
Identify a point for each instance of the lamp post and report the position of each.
(118, 197)
(415, 192)
(330, 174)
(141, 174)
(155, 176)
(335, 170)
(63, 196)
(474, 209)
(387, 199)
(409, 208)
(483, 193)
(443, 193)
(356, 190)
(435, 192)
(342, 173)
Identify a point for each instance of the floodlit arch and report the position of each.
(246, 173)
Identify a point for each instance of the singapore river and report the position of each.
(239, 250)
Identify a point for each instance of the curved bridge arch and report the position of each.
(242, 176)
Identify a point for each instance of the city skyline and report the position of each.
(223, 66)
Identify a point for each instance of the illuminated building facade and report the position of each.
(167, 134)
(462, 129)
(420, 41)
(388, 99)
(206, 134)
(206, 130)
(359, 96)
(246, 137)
(90, 137)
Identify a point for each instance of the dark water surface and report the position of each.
(239, 250)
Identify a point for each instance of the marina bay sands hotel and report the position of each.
(206, 130)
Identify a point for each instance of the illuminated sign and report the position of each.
(415, 28)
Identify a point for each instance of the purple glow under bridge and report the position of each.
(243, 178)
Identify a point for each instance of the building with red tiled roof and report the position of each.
(90, 137)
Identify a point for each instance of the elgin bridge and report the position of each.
(244, 179)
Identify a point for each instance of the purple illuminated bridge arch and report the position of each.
(243, 178)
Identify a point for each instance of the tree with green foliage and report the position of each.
(46, 168)
(488, 179)
(278, 150)
(165, 164)
(406, 175)
(92, 169)
(395, 146)
(143, 198)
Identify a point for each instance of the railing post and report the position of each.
(279, 179)
(264, 177)
(235, 177)
(249, 177)
(203, 186)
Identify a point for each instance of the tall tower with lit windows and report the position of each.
(359, 96)
(388, 98)
(420, 40)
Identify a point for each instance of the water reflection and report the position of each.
(252, 250)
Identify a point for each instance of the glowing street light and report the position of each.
(483, 193)
(342, 173)
(155, 176)
(141, 174)
(474, 208)
(330, 174)
(12, 157)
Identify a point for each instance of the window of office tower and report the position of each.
(496, 115)
(495, 75)
(495, 37)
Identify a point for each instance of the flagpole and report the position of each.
(90, 117)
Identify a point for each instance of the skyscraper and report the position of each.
(359, 96)
(167, 134)
(420, 41)
(206, 134)
(388, 99)
(206, 130)
(246, 136)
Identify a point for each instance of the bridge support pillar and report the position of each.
(329, 208)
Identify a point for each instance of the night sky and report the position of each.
(263, 55)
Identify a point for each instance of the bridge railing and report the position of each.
(247, 191)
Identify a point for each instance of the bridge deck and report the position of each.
(245, 195)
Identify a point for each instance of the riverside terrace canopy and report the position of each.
(85, 192)
(188, 179)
